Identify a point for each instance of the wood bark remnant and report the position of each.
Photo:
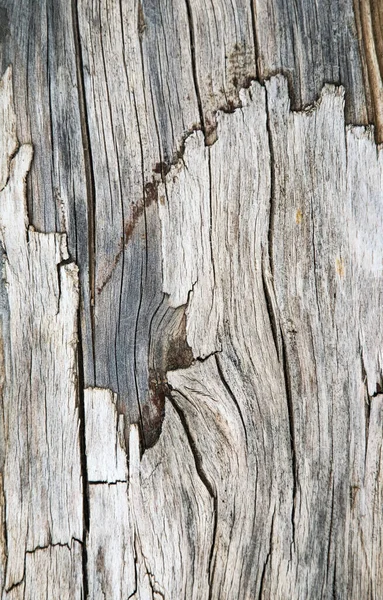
(369, 20)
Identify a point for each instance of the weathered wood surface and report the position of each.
(191, 365)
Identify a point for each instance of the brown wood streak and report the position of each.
(369, 21)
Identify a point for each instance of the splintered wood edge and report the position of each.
(113, 483)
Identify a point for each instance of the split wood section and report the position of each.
(265, 481)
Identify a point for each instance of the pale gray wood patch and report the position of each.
(111, 562)
(62, 569)
(104, 434)
(42, 488)
(173, 515)
(259, 256)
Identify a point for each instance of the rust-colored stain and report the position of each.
(141, 20)
(137, 210)
(150, 196)
(299, 217)
(340, 267)
(154, 411)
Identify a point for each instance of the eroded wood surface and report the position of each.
(190, 307)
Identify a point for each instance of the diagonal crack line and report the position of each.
(231, 394)
(202, 475)
(271, 307)
(193, 447)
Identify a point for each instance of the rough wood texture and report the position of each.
(190, 365)
(42, 490)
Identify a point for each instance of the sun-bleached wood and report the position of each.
(41, 484)
(291, 392)
(110, 555)
(230, 260)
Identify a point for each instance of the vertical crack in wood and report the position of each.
(141, 424)
(330, 530)
(194, 64)
(272, 188)
(267, 560)
(89, 174)
(84, 467)
(367, 399)
(146, 267)
(253, 12)
(230, 393)
(290, 408)
(90, 188)
(211, 219)
(273, 318)
(276, 325)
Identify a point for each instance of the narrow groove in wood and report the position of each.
(272, 316)
(203, 478)
(211, 217)
(89, 175)
(141, 423)
(83, 457)
(255, 37)
(290, 409)
(232, 396)
(263, 575)
(272, 188)
(194, 64)
(330, 530)
(192, 444)
(90, 188)
(367, 399)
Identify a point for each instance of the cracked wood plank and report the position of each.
(40, 454)
(108, 93)
(280, 416)
(235, 270)
(314, 43)
(110, 551)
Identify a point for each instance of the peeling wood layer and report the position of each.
(41, 471)
(108, 94)
(292, 406)
(265, 481)
(197, 413)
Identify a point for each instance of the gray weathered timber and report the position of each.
(317, 43)
(191, 332)
(41, 470)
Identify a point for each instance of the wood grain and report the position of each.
(190, 363)
(41, 487)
